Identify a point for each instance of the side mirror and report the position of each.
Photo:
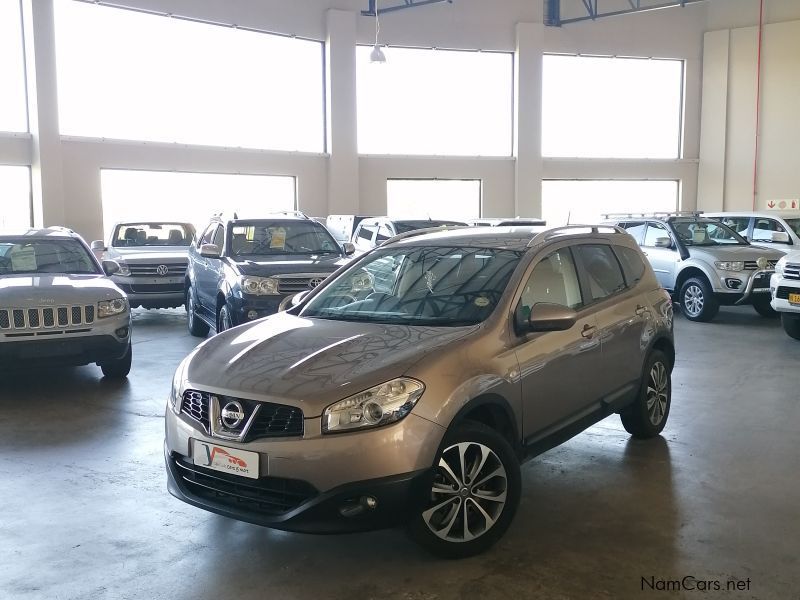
(210, 251)
(349, 248)
(663, 242)
(292, 301)
(780, 237)
(110, 267)
(551, 317)
(98, 246)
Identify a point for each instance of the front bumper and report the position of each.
(64, 350)
(781, 288)
(248, 309)
(749, 290)
(152, 292)
(294, 505)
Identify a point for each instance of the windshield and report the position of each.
(448, 286)
(273, 238)
(705, 232)
(406, 226)
(140, 235)
(45, 255)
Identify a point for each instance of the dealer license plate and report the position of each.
(794, 298)
(227, 460)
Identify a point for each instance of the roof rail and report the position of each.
(673, 213)
(416, 232)
(549, 234)
(293, 213)
(59, 228)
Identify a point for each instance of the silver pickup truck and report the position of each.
(57, 305)
(152, 257)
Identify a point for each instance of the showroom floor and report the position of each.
(85, 511)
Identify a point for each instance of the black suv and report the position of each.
(242, 269)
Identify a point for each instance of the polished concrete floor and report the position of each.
(84, 511)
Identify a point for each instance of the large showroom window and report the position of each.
(13, 113)
(130, 75)
(192, 197)
(451, 199)
(15, 197)
(586, 201)
(602, 107)
(435, 102)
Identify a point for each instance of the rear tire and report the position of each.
(120, 367)
(764, 308)
(197, 327)
(697, 300)
(648, 414)
(791, 325)
(463, 514)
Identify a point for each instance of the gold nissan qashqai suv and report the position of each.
(410, 385)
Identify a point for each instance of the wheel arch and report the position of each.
(691, 271)
(494, 411)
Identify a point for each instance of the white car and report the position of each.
(775, 229)
(785, 288)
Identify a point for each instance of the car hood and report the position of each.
(21, 291)
(137, 255)
(289, 265)
(311, 362)
(732, 253)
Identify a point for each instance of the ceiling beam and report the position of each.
(373, 6)
(594, 10)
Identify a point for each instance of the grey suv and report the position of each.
(702, 262)
(57, 306)
(409, 387)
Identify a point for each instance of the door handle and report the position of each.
(588, 331)
(640, 310)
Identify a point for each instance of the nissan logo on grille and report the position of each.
(315, 282)
(162, 270)
(232, 415)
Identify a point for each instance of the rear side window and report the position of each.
(632, 264)
(635, 229)
(603, 272)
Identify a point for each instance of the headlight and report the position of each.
(260, 286)
(124, 269)
(780, 265)
(379, 405)
(730, 265)
(109, 308)
(176, 393)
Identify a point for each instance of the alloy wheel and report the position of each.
(693, 300)
(468, 493)
(657, 393)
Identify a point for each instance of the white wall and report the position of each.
(468, 24)
(728, 170)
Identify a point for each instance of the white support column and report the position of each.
(528, 120)
(340, 84)
(40, 63)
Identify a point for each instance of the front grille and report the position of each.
(291, 284)
(783, 292)
(151, 270)
(751, 265)
(272, 420)
(266, 495)
(153, 288)
(195, 405)
(791, 271)
(46, 317)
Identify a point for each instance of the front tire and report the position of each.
(120, 367)
(648, 414)
(764, 308)
(474, 494)
(697, 300)
(791, 325)
(224, 318)
(197, 327)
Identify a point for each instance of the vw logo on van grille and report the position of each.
(315, 282)
(232, 414)
(162, 270)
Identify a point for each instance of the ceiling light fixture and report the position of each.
(377, 55)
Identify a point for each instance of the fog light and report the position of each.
(354, 507)
(122, 332)
(733, 284)
(252, 314)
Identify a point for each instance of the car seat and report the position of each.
(175, 237)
